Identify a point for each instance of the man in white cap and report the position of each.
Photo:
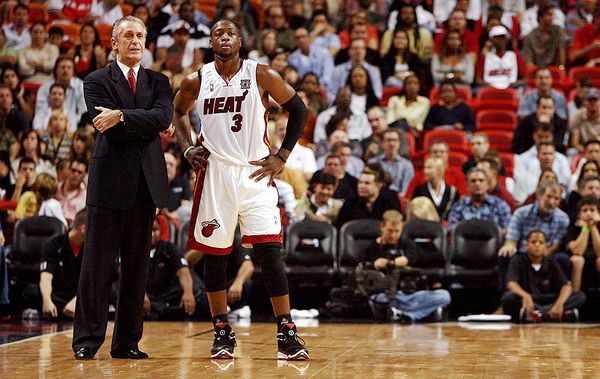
(499, 68)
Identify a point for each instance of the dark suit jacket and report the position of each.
(523, 136)
(132, 148)
(356, 208)
(447, 198)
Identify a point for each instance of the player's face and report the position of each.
(225, 40)
(130, 43)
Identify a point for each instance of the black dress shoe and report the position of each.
(134, 353)
(84, 353)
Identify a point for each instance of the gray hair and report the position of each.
(116, 29)
(543, 186)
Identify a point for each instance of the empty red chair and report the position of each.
(508, 160)
(500, 140)
(576, 73)
(457, 158)
(456, 139)
(494, 119)
(387, 93)
(494, 98)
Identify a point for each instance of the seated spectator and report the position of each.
(580, 16)
(71, 193)
(358, 124)
(106, 12)
(388, 251)
(371, 201)
(301, 158)
(181, 35)
(359, 20)
(173, 67)
(83, 143)
(400, 169)
(17, 33)
(56, 143)
(500, 14)
(308, 58)
(478, 204)
(323, 33)
(13, 116)
(56, 36)
(545, 45)
(495, 188)
(275, 19)
(499, 68)
(24, 179)
(585, 48)
(7, 177)
(591, 152)
(584, 124)
(537, 288)
(89, 55)
(357, 57)
(530, 164)
(409, 106)
(422, 208)
(443, 11)
(63, 171)
(372, 146)
(22, 99)
(363, 96)
(452, 61)
(336, 131)
(450, 112)
(543, 215)
(64, 74)
(279, 60)
(543, 88)
(586, 186)
(60, 267)
(169, 289)
(581, 87)
(399, 62)
(424, 17)
(77, 11)
(179, 191)
(268, 46)
(480, 148)
(546, 175)
(544, 114)
(420, 41)
(585, 254)
(531, 16)
(343, 148)
(37, 60)
(312, 86)
(458, 23)
(346, 184)
(56, 102)
(453, 175)
(31, 147)
(8, 55)
(442, 194)
(40, 200)
(320, 205)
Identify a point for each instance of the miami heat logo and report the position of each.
(208, 227)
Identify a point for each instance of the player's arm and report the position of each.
(270, 82)
(184, 101)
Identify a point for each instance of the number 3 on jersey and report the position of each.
(237, 119)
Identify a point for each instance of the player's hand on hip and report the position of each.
(198, 158)
(270, 166)
(106, 119)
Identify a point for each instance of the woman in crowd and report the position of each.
(422, 208)
(399, 63)
(363, 96)
(450, 112)
(56, 144)
(317, 98)
(31, 147)
(267, 47)
(23, 99)
(40, 200)
(36, 62)
(452, 62)
(436, 189)
(409, 105)
(89, 54)
(82, 145)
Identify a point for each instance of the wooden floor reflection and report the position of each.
(180, 350)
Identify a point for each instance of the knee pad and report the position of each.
(270, 258)
(215, 272)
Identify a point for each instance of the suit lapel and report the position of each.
(125, 94)
(142, 94)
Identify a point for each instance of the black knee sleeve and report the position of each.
(270, 258)
(215, 272)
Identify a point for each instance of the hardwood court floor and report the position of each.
(180, 350)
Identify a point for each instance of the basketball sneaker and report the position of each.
(289, 346)
(224, 342)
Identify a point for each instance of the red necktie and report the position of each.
(131, 80)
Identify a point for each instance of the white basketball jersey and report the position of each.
(234, 119)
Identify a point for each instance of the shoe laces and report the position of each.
(221, 333)
(290, 334)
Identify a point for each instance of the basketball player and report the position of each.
(235, 177)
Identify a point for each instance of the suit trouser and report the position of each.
(112, 231)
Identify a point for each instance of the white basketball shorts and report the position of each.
(224, 194)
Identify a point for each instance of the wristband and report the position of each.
(280, 157)
(585, 229)
(187, 151)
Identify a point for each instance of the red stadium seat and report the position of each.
(387, 93)
(127, 9)
(37, 13)
(500, 140)
(494, 119)
(70, 29)
(208, 7)
(456, 139)
(457, 158)
(508, 160)
(462, 93)
(412, 144)
(575, 73)
(494, 98)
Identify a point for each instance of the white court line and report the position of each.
(34, 338)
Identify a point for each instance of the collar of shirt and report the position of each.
(125, 69)
(437, 199)
(469, 200)
(535, 209)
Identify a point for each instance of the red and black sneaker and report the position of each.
(289, 346)
(224, 343)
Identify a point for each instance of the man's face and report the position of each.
(333, 166)
(130, 43)
(377, 121)
(358, 51)
(591, 188)
(65, 71)
(276, 17)
(344, 153)
(407, 15)
(21, 17)
(359, 31)
(57, 97)
(536, 245)
(545, 108)
(588, 212)
(302, 39)
(592, 152)
(546, 155)
(477, 184)
(344, 96)
(226, 40)
(479, 146)
(457, 21)
(439, 150)
(186, 12)
(546, 19)
(368, 188)
(6, 99)
(499, 42)
(391, 232)
(310, 84)
(324, 192)
(549, 200)
(28, 172)
(543, 80)
(77, 174)
(592, 107)
(391, 143)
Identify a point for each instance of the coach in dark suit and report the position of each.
(130, 106)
